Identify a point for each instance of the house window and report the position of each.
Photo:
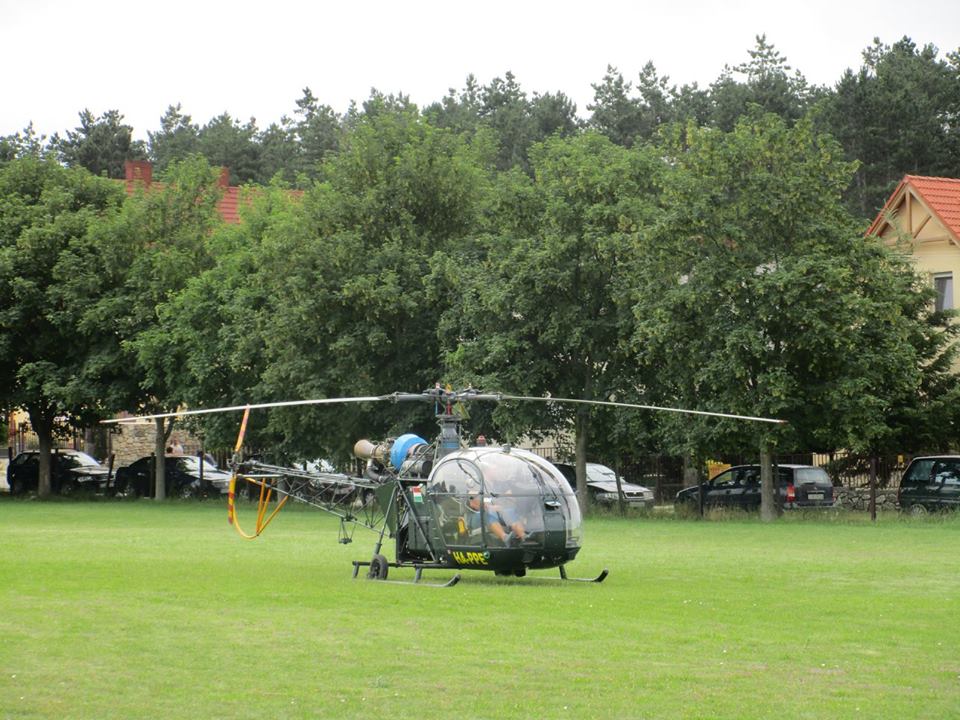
(943, 284)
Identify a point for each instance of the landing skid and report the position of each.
(417, 578)
(598, 579)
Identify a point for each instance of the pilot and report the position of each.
(501, 521)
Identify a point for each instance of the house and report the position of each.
(925, 212)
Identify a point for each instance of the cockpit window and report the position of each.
(484, 495)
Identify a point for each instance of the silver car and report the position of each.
(602, 485)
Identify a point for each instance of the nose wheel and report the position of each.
(378, 568)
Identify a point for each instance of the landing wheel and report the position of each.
(378, 568)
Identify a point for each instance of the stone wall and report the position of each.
(859, 498)
(132, 441)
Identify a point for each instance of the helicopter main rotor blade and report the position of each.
(437, 395)
(607, 403)
(254, 406)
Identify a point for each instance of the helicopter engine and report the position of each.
(408, 455)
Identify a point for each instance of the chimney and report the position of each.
(138, 171)
(224, 180)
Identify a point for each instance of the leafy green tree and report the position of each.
(46, 212)
(332, 294)
(151, 249)
(761, 297)
(216, 324)
(542, 304)
(897, 115)
(177, 139)
(100, 144)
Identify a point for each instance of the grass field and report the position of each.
(145, 610)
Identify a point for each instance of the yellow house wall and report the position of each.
(931, 249)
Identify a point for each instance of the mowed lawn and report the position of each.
(146, 610)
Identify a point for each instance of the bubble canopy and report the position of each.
(484, 485)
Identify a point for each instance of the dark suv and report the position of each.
(930, 483)
(70, 470)
(801, 486)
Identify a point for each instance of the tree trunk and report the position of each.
(160, 466)
(768, 508)
(581, 436)
(42, 423)
(691, 477)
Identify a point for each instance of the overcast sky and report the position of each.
(253, 59)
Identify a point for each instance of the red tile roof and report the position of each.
(229, 205)
(940, 195)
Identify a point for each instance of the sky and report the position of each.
(253, 59)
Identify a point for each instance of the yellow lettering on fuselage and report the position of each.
(469, 558)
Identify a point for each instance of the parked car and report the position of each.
(930, 483)
(800, 486)
(70, 471)
(182, 473)
(602, 486)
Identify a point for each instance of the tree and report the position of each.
(615, 113)
(46, 212)
(280, 155)
(177, 139)
(540, 307)
(151, 250)
(25, 143)
(761, 297)
(333, 294)
(553, 114)
(504, 108)
(218, 321)
(459, 112)
(101, 145)
(628, 119)
(226, 143)
(767, 83)
(656, 97)
(318, 132)
(897, 115)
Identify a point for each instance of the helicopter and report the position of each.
(447, 504)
